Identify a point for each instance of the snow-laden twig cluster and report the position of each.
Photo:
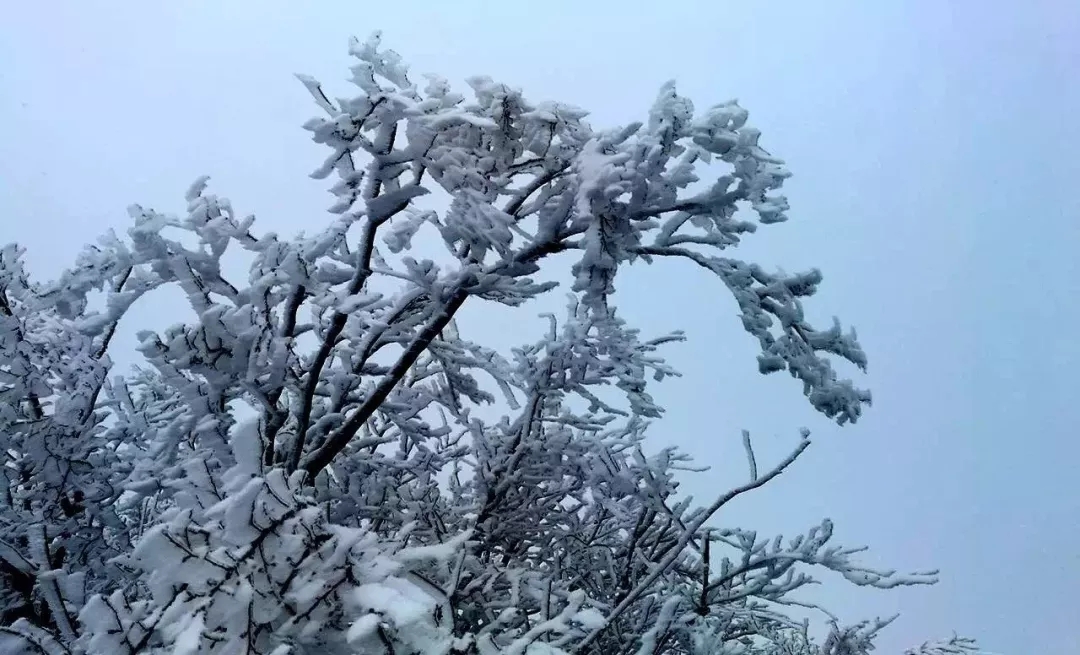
(306, 467)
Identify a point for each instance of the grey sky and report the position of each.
(933, 145)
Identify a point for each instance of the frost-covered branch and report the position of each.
(316, 459)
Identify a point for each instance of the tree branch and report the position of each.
(337, 325)
(675, 551)
(273, 417)
(339, 438)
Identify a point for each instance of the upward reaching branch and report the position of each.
(675, 551)
(338, 439)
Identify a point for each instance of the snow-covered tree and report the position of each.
(320, 462)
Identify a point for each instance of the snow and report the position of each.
(188, 639)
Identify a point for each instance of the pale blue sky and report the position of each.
(933, 145)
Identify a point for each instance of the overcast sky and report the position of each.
(934, 150)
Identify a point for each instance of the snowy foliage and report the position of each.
(310, 466)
